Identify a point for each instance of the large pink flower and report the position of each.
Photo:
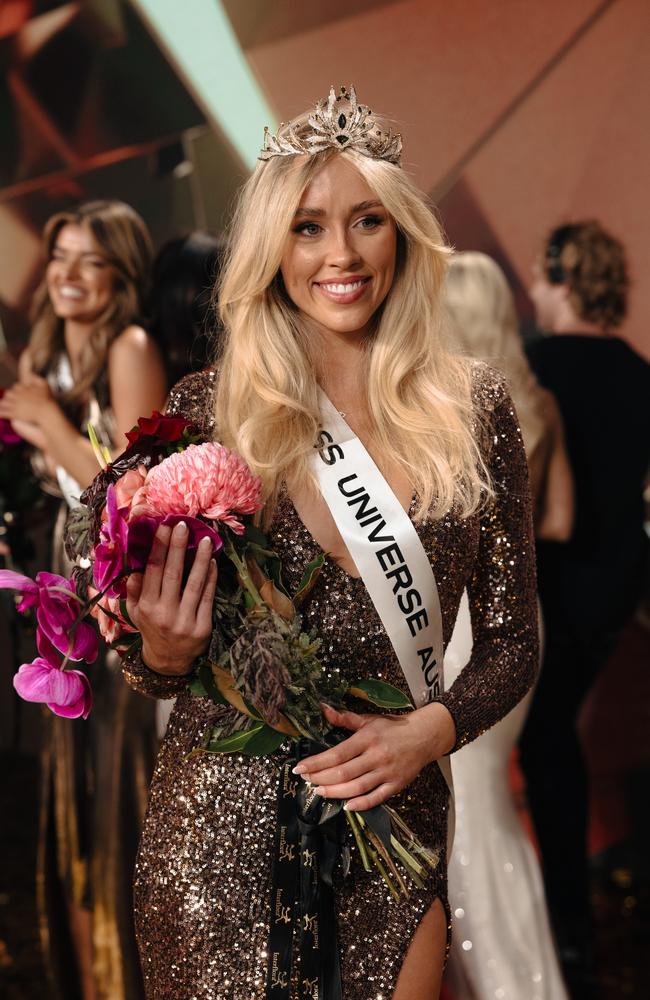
(205, 480)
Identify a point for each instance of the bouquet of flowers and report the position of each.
(261, 665)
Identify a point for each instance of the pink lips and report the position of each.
(334, 290)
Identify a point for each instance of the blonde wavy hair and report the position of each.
(123, 239)
(418, 395)
(481, 322)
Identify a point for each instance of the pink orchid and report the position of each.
(110, 551)
(109, 629)
(57, 612)
(65, 692)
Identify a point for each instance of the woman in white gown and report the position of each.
(503, 947)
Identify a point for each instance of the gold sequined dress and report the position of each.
(203, 875)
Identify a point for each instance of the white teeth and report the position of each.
(340, 289)
(69, 292)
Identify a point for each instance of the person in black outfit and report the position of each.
(590, 585)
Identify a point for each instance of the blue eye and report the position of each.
(370, 221)
(308, 228)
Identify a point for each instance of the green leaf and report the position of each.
(309, 577)
(265, 741)
(236, 742)
(380, 693)
(255, 536)
(202, 684)
(126, 647)
(125, 613)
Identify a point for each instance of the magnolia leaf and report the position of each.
(274, 567)
(380, 693)
(269, 593)
(278, 601)
(264, 741)
(309, 577)
(203, 685)
(234, 743)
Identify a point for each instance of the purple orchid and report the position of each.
(110, 551)
(65, 692)
(57, 613)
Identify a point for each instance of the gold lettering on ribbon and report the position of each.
(282, 913)
(277, 978)
(310, 988)
(310, 923)
(289, 787)
(287, 851)
(308, 858)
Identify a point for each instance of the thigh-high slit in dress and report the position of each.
(203, 877)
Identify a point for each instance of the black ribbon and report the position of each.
(310, 845)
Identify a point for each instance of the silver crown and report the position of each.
(339, 122)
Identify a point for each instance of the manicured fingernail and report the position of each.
(320, 790)
(346, 807)
(181, 527)
(205, 544)
(299, 769)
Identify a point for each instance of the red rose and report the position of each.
(165, 429)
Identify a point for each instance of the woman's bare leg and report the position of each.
(421, 974)
(81, 927)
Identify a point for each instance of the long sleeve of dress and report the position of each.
(502, 590)
(192, 397)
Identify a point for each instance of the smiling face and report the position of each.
(339, 259)
(80, 280)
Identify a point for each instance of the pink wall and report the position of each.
(522, 113)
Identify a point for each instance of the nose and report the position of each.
(70, 267)
(341, 251)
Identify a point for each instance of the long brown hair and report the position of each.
(123, 239)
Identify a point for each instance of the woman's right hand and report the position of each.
(175, 623)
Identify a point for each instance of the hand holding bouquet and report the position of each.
(255, 658)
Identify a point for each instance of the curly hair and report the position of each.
(593, 264)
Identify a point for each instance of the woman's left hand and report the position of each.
(30, 401)
(385, 754)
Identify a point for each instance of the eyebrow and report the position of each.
(362, 206)
(86, 253)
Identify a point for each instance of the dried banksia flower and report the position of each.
(258, 662)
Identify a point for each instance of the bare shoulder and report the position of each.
(132, 342)
(193, 397)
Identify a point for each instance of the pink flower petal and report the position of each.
(27, 588)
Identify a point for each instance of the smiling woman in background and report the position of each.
(90, 362)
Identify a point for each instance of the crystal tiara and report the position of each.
(338, 122)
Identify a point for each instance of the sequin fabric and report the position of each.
(202, 883)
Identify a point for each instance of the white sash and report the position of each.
(388, 553)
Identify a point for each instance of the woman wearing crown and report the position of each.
(330, 299)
